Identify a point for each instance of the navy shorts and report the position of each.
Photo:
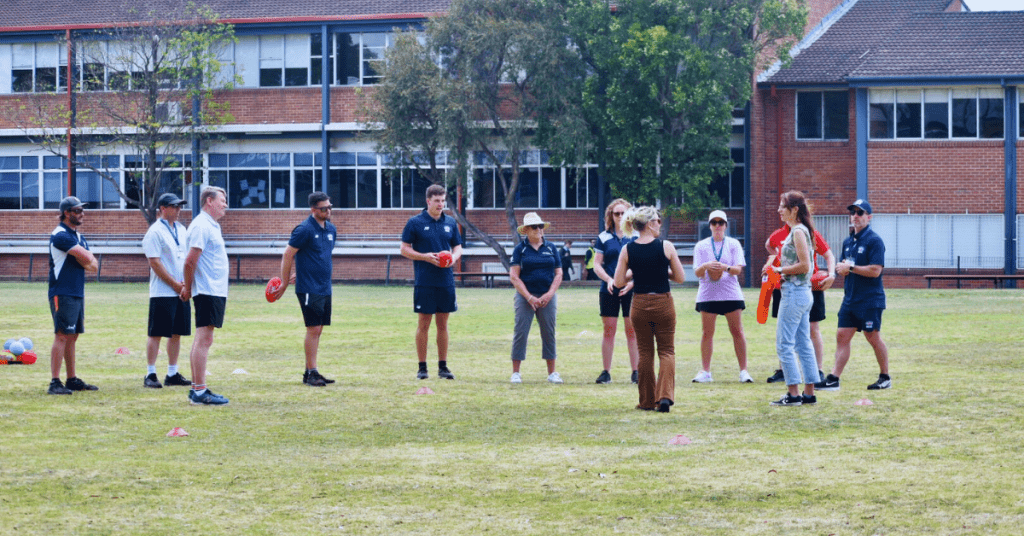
(316, 309)
(169, 316)
(721, 307)
(862, 319)
(611, 304)
(433, 300)
(817, 308)
(68, 314)
(210, 310)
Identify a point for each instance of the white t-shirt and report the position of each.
(211, 276)
(169, 247)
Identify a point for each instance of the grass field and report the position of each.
(939, 453)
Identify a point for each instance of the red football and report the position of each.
(445, 257)
(272, 287)
(817, 278)
(29, 357)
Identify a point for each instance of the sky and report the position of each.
(995, 5)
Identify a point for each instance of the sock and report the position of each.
(884, 377)
(199, 389)
(172, 370)
(151, 369)
(442, 365)
(423, 365)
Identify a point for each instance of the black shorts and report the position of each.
(721, 307)
(169, 316)
(862, 319)
(610, 304)
(68, 314)
(433, 300)
(210, 310)
(316, 309)
(817, 308)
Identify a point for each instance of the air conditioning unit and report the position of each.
(168, 112)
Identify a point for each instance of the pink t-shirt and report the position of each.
(727, 288)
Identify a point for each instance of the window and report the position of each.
(34, 67)
(581, 188)
(823, 115)
(729, 188)
(359, 57)
(19, 182)
(936, 113)
(271, 60)
(284, 60)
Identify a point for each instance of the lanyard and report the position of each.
(717, 254)
(172, 230)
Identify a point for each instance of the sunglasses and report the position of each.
(856, 212)
(717, 222)
(76, 210)
(536, 227)
(324, 209)
(617, 213)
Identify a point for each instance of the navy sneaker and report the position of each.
(208, 398)
(177, 379)
(604, 377)
(445, 374)
(788, 400)
(76, 384)
(57, 388)
(830, 383)
(152, 382)
(422, 375)
(778, 376)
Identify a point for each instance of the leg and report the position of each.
(524, 314)
(441, 322)
(793, 309)
(422, 333)
(173, 350)
(63, 343)
(805, 354)
(843, 338)
(816, 341)
(200, 350)
(881, 350)
(707, 339)
(311, 344)
(645, 343)
(665, 334)
(547, 320)
(634, 353)
(739, 339)
(608, 342)
(153, 349)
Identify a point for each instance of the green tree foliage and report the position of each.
(136, 97)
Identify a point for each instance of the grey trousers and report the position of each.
(524, 320)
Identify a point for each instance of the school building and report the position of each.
(912, 104)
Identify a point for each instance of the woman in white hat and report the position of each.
(536, 273)
(717, 263)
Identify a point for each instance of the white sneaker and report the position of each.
(745, 378)
(703, 377)
(516, 378)
(554, 378)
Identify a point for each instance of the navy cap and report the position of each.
(69, 203)
(861, 204)
(169, 200)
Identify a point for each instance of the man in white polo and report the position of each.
(206, 281)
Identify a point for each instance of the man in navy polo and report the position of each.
(70, 258)
(311, 247)
(861, 265)
(425, 236)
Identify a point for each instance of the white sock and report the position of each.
(151, 369)
(172, 370)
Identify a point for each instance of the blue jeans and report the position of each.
(793, 335)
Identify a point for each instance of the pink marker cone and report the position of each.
(424, 391)
(679, 440)
(864, 402)
(177, 432)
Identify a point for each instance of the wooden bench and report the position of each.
(995, 278)
(488, 277)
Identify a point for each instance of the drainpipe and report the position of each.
(73, 112)
(1010, 173)
(325, 107)
(862, 142)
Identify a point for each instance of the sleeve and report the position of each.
(558, 256)
(599, 245)
(151, 244)
(820, 245)
(299, 237)
(196, 238)
(63, 241)
(456, 235)
(700, 254)
(517, 255)
(409, 232)
(737, 253)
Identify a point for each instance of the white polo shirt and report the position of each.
(211, 276)
(169, 247)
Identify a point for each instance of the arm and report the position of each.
(165, 276)
(620, 270)
(514, 272)
(287, 259)
(675, 268)
(85, 258)
(191, 264)
(599, 270)
(456, 254)
(830, 261)
(412, 254)
(867, 270)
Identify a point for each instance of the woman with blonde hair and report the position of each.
(651, 262)
(612, 297)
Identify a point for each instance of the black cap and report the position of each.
(861, 204)
(169, 200)
(69, 203)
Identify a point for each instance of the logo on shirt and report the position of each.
(860, 250)
(426, 227)
(330, 237)
(316, 236)
(447, 229)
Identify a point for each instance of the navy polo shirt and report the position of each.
(861, 292)
(313, 261)
(427, 235)
(536, 266)
(610, 246)
(67, 276)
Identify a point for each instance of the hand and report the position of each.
(532, 300)
(184, 294)
(280, 290)
(625, 290)
(291, 280)
(611, 286)
(843, 268)
(827, 282)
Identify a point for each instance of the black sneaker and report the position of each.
(422, 375)
(634, 379)
(76, 384)
(821, 375)
(57, 388)
(208, 398)
(830, 383)
(151, 382)
(807, 400)
(445, 374)
(325, 379)
(604, 377)
(663, 405)
(177, 379)
(313, 378)
(788, 400)
(884, 382)
(778, 376)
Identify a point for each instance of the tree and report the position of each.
(136, 87)
(482, 78)
(663, 79)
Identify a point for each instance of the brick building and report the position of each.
(837, 123)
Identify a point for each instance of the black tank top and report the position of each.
(650, 267)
